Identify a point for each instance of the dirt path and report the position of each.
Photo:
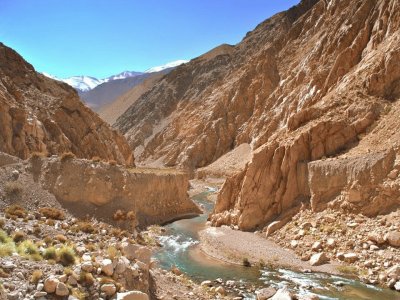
(233, 246)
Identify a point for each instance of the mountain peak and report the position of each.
(172, 64)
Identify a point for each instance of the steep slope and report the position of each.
(110, 112)
(38, 114)
(106, 92)
(306, 84)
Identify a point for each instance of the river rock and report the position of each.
(109, 289)
(50, 284)
(351, 257)
(265, 293)
(206, 283)
(393, 238)
(62, 289)
(107, 267)
(132, 295)
(318, 259)
(397, 286)
(376, 237)
(220, 290)
(283, 294)
(393, 272)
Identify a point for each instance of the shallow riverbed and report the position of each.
(180, 248)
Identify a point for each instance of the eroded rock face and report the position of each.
(38, 114)
(335, 82)
(143, 197)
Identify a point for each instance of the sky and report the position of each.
(104, 37)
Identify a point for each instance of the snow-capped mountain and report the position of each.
(87, 83)
(172, 64)
(123, 75)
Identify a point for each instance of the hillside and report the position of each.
(306, 84)
(110, 112)
(38, 114)
(105, 93)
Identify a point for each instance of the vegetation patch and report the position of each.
(15, 211)
(13, 188)
(52, 213)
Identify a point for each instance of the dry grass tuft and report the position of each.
(15, 211)
(52, 213)
(67, 156)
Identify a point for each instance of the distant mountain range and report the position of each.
(84, 83)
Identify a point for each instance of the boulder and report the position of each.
(318, 259)
(393, 238)
(283, 294)
(107, 267)
(62, 289)
(132, 295)
(109, 289)
(265, 293)
(50, 284)
(376, 237)
(351, 257)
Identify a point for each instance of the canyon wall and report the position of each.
(38, 114)
(342, 78)
(99, 189)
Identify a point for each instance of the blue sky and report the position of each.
(104, 37)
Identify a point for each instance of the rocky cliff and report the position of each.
(308, 83)
(38, 114)
(144, 196)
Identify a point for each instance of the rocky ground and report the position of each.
(46, 254)
(368, 248)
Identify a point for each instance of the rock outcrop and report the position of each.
(112, 193)
(38, 114)
(327, 101)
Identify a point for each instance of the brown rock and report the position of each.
(393, 238)
(318, 259)
(39, 114)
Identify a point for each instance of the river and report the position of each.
(181, 249)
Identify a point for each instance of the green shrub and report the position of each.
(66, 256)
(4, 238)
(29, 250)
(50, 254)
(7, 249)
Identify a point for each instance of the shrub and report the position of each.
(13, 188)
(112, 252)
(67, 156)
(29, 250)
(66, 256)
(52, 213)
(7, 249)
(112, 162)
(50, 254)
(48, 240)
(3, 274)
(96, 159)
(2, 223)
(37, 155)
(86, 278)
(85, 226)
(246, 262)
(349, 270)
(119, 215)
(36, 276)
(18, 236)
(4, 238)
(15, 210)
(61, 238)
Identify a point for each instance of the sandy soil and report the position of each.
(233, 246)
